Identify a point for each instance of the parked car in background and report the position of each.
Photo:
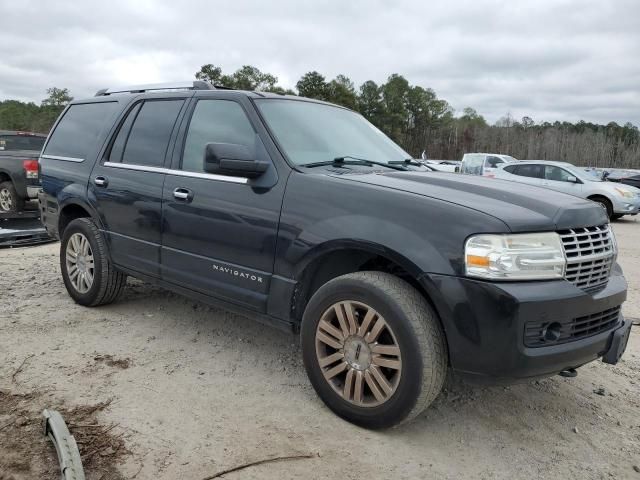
(618, 200)
(19, 175)
(626, 177)
(483, 164)
(443, 165)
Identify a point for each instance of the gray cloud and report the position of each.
(549, 59)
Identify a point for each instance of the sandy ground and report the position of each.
(196, 390)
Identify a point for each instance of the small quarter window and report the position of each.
(77, 133)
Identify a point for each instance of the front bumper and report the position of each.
(485, 322)
(626, 206)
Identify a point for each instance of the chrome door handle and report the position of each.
(181, 194)
(101, 181)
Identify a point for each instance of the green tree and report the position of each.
(57, 97)
(369, 102)
(341, 90)
(313, 85)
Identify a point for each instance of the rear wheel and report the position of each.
(87, 272)
(10, 202)
(373, 349)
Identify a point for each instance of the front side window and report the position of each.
(556, 174)
(533, 171)
(215, 121)
(312, 132)
(149, 135)
(77, 132)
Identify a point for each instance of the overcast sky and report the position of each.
(549, 59)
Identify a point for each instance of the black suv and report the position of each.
(304, 215)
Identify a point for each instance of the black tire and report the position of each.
(108, 283)
(617, 216)
(10, 202)
(419, 336)
(606, 203)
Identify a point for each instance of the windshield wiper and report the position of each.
(350, 160)
(407, 161)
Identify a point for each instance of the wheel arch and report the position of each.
(73, 209)
(337, 258)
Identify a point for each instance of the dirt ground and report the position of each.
(196, 390)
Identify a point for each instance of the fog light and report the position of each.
(551, 332)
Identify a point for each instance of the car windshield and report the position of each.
(312, 132)
(588, 176)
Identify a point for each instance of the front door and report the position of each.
(561, 180)
(219, 233)
(126, 185)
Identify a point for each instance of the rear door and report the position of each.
(220, 231)
(126, 185)
(559, 179)
(529, 173)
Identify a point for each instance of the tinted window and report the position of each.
(21, 142)
(121, 139)
(534, 171)
(149, 136)
(77, 133)
(215, 121)
(556, 173)
(493, 162)
(510, 168)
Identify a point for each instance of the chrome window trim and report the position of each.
(64, 159)
(181, 173)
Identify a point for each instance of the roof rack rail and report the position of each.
(190, 85)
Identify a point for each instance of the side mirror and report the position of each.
(232, 160)
(572, 179)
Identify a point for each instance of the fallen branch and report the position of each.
(19, 369)
(260, 462)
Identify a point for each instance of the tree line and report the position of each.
(411, 115)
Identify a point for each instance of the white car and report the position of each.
(616, 198)
(483, 164)
(443, 165)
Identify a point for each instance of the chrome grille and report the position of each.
(590, 252)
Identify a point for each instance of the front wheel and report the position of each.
(87, 272)
(373, 348)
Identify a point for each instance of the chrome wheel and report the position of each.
(79, 261)
(358, 353)
(6, 200)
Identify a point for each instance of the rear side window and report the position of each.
(215, 121)
(79, 130)
(148, 138)
(21, 142)
(121, 139)
(510, 168)
(493, 162)
(533, 171)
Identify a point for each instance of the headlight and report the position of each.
(522, 256)
(625, 193)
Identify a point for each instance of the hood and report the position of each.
(521, 207)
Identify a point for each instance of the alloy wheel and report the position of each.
(6, 200)
(80, 264)
(358, 353)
